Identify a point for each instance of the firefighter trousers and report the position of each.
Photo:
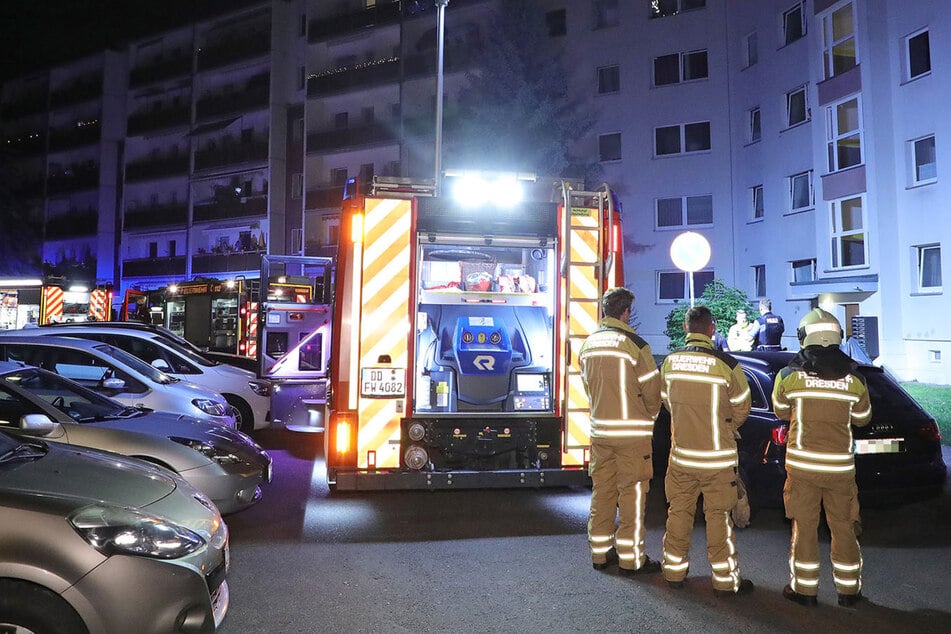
(718, 487)
(805, 495)
(620, 479)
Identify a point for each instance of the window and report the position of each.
(918, 55)
(796, 111)
(756, 201)
(794, 23)
(605, 13)
(366, 173)
(803, 270)
(609, 79)
(675, 286)
(678, 67)
(338, 176)
(838, 42)
(750, 50)
(609, 147)
(297, 131)
(671, 211)
(172, 248)
(844, 131)
(849, 236)
(153, 249)
(662, 8)
(923, 157)
(556, 23)
(929, 268)
(759, 280)
(756, 126)
(677, 139)
(800, 191)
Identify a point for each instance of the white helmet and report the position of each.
(819, 328)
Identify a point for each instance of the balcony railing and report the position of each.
(375, 134)
(355, 76)
(160, 70)
(226, 262)
(73, 179)
(382, 14)
(76, 222)
(28, 188)
(28, 145)
(253, 96)
(154, 267)
(156, 168)
(85, 89)
(232, 208)
(156, 119)
(27, 105)
(75, 136)
(234, 48)
(324, 197)
(156, 216)
(231, 154)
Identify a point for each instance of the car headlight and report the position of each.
(113, 530)
(207, 449)
(260, 388)
(210, 407)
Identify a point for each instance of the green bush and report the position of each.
(722, 300)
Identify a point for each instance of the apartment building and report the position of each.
(801, 138)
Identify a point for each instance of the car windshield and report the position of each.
(79, 403)
(188, 353)
(135, 363)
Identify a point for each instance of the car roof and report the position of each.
(51, 340)
(96, 327)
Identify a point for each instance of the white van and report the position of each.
(115, 373)
(250, 396)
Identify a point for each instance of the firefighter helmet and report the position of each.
(819, 328)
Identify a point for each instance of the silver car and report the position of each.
(225, 464)
(96, 542)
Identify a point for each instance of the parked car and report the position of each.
(117, 374)
(225, 464)
(897, 455)
(96, 542)
(250, 396)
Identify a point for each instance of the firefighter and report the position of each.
(768, 328)
(623, 385)
(708, 397)
(822, 396)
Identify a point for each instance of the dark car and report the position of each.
(897, 456)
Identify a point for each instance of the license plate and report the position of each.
(383, 382)
(879, 445)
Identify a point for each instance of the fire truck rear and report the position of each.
(455, 320)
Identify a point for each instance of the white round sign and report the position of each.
(690, 251)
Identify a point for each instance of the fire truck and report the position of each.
(215, 315)
(457, 324)
(33, 302)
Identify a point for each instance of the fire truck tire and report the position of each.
(244, 414)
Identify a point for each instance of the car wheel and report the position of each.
(242, 412)
(36, 609)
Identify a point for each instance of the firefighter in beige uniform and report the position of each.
(623, 386)
(822, 396)
(708, 397)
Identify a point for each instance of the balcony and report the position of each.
(253, 96)
(160, 69)
(156, 216)
(26, 145)
(342, 25)
(324, 198)
(375, 134)
(24, 106)
(157, 167)
(233, 153)
(72, 179)
(226, 262)
(456, 57)
(28, 188)
(85, 89)
(77, 135)
(152, 120)
(234, 48)
(154, 267)
(75, 223)
(230, 208)
(354, 77)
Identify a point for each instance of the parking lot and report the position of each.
(516, 560)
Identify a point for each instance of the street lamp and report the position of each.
(440, 52)
(690, 252)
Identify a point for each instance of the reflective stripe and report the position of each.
(677, 567)
(600, 550)
(847, 567)
(817, 455)
(699, 453)
(648, 376)
(620, 434)
(839, 581)
(704, 465)
(812, 583)
(601, 538)
(742, 397)
(862, 415)
(694, 378)
(819, 468)
(780, 406)
(824, 396)
(802, 565)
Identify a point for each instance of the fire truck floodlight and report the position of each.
(78, 288)
(472, 190)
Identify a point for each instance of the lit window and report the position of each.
(803, 270)
(800, 191)
(849, 235)
(794, 23)
(674, 286)
(678, 67)
(839, 52)
(755, 132)
(759, 280)
(918, 55)
(844, 132)
(923, 157)
(684, 211)
(677, 139)
(796, 110)
(609, 79)
(662, 8)
(605, 13)
(750, 50)
(929, 268)
(756, 201)
(609, 147)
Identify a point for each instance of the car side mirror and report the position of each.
(113, 383)
(38, 424)
(161, 364)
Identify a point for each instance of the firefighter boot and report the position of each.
(802, 599)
